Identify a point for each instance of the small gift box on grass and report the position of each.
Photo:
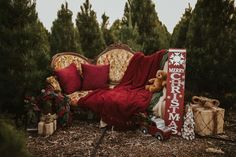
(208, 117)
(47, 124)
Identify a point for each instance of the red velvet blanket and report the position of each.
(116, 106)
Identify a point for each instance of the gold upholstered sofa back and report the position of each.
(62, 60)
(116, 55)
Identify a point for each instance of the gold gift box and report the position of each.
(208, 121)
(47, 125)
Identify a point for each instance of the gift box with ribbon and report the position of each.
(47, 124)
(208, 117)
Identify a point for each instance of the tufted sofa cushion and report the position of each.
(118, 58)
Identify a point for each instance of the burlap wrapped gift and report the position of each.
(208, 117)
(47, 124)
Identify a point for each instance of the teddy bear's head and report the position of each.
(161, 75)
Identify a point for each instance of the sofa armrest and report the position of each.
(52, 81)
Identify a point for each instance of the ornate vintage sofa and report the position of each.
(117, 55)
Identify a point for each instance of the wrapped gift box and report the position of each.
(47, 125)
(208, 121)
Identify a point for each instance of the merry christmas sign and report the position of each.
(175, 89)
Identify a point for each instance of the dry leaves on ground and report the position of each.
(80, 140)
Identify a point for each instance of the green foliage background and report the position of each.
(208, 34)
(12, 142)
(64, 36)
(24, 52)
(91, 39)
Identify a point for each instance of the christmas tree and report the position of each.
(153, 35)
(24, 54)
(64, 37)
(107, 34)
(92, 42)
(211, 49)
(178, 37)
(188, 127)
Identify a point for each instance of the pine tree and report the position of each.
(164, 36)
(127, 14)
(128, 33)
(107, 34)
(153, 35)
(64, 37)
(178, 38)
(24, 52)
(115, 30)
(12, 142)
(92, 42)
(130, 36)
(230, 97)
(210, 48)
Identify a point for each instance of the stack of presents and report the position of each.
(47, 124)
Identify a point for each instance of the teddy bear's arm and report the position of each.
(164, 83)
(151, 80)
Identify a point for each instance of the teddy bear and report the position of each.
(157, 83)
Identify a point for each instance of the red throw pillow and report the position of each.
(95, 76)
(69, 78)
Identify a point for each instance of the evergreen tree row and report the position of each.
(208, 32)
(26, 46)
(24, 52)
(140, 28)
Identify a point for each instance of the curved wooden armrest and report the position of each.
(52, 81)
